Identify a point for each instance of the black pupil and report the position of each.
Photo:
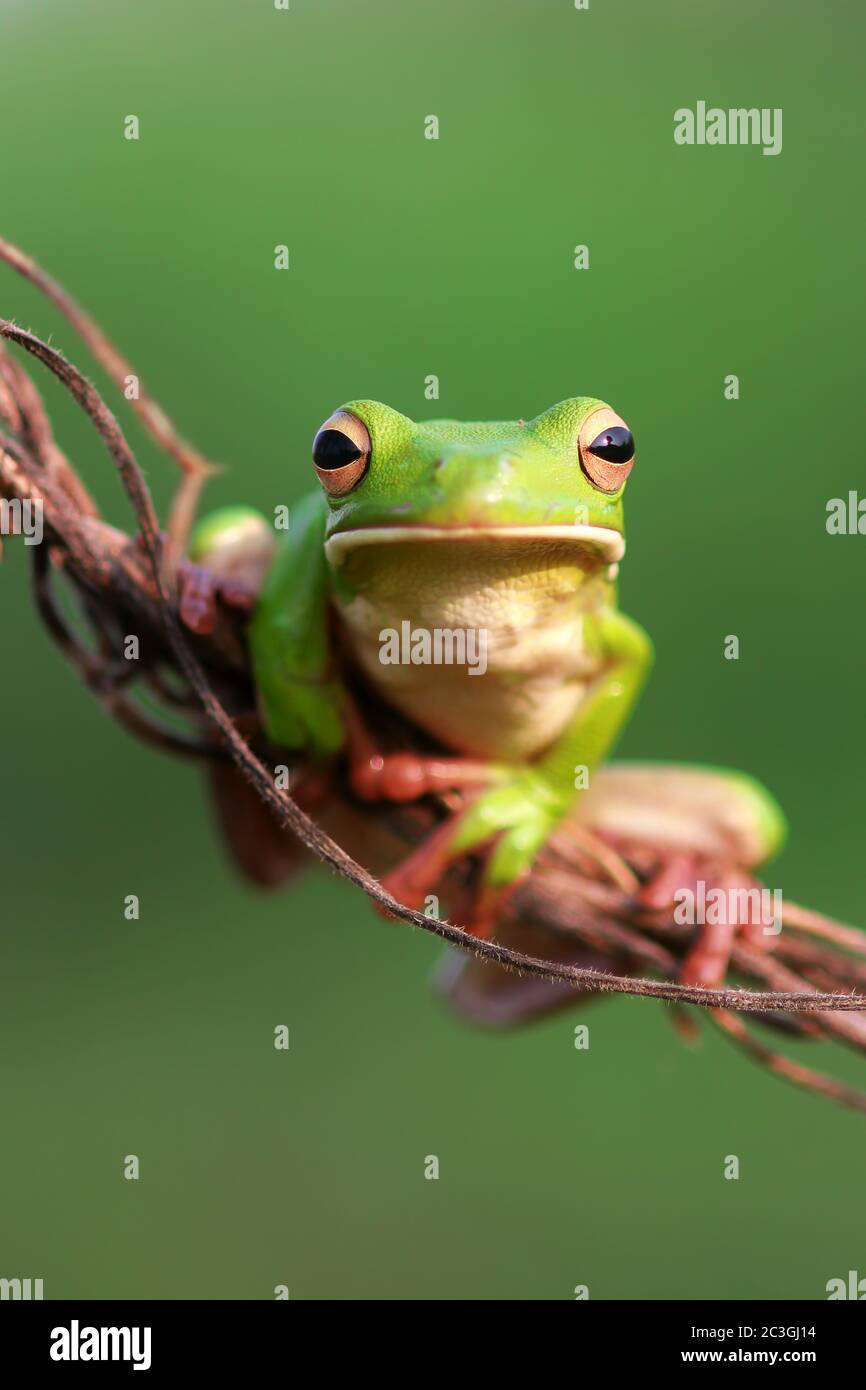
(333, 449)
(614, 446)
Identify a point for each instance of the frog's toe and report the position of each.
(741, 918)
(408, 776)
(197, 598)
(509, 830)
(513, 854)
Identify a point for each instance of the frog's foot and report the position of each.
(202, 587)
(733, 910)
(377, 776)
(230, 553)
(414, 879)
(408, 776)
(741, 919)
(695, 833)
(200, 591)
(513, 820)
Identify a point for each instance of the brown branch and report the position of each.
(30, 420)
(581, 890)
(804, 920)
(104, 674)
(794, 1072)
(290, 814)
(195, 468)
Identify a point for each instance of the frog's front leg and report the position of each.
(407, 776)
(230, 552)
(517, 816)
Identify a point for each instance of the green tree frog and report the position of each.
(469, 572)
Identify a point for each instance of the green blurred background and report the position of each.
(411, 257)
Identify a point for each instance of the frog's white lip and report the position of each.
(609, 542)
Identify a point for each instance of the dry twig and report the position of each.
(128, 585)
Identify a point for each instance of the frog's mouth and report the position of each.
(608, 544)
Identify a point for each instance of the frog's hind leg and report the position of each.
(691, 811)
(495, 998)
(265, 852)
(701, 830)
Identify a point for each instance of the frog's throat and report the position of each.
(609, 543)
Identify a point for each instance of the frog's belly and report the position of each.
(525, 634)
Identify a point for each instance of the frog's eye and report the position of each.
(606, 450)
(341, 453)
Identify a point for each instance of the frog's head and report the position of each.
(558, 477)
